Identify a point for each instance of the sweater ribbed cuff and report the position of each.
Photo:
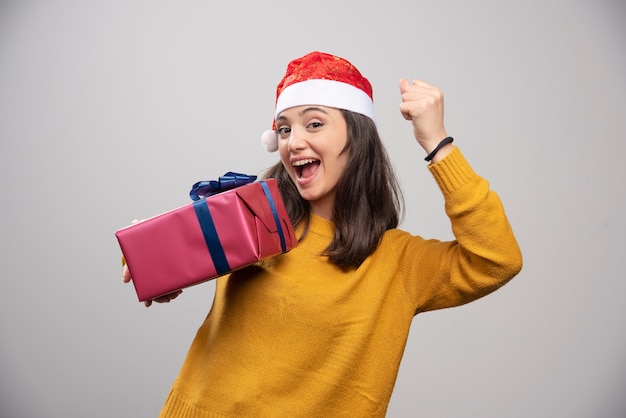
(452, 172)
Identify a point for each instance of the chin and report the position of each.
(307, 195)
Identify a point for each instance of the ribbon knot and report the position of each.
(228, 181)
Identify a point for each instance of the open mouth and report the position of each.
(306, 168)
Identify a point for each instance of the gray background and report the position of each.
(111, 110)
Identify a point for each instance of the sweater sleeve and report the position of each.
(484, 255)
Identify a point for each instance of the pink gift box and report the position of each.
(206, 239)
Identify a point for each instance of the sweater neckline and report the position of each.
(319, 226)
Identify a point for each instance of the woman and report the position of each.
(321, 330)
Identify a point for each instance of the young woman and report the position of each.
(320, 331)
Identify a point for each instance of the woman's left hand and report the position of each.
(422, 104)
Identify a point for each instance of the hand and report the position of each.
(160, 299)
(127, 278)
(422, 104)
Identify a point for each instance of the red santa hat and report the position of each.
(320, 79)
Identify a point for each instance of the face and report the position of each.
(311, 142)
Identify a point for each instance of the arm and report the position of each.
(485, 254)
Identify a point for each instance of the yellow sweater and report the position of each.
(295, 336)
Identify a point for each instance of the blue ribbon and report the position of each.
(203, 189)
(210, 237)
(228, 181)
(268, 194)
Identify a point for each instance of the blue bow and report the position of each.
(228, 181)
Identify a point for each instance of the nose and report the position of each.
(297, 140)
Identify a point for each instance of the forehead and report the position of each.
(301, 111)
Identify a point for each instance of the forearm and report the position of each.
(487, 255)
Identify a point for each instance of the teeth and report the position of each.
(300, 163)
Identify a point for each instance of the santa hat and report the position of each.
(320, 79)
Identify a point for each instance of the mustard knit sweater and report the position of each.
(295, 336)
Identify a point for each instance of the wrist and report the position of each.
(442, 149)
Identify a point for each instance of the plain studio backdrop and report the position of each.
(111, 110)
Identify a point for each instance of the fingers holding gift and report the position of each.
(164, 298)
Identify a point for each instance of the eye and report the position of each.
(315, 125)
(283, 131)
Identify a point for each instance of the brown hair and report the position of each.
(368, 200)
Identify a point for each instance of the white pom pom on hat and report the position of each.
(321, 79)
(269, 139)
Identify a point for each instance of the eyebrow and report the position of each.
(304, 111)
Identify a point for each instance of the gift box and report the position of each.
(206, 239)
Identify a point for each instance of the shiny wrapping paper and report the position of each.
(206, 239)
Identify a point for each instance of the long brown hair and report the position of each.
(368, 200)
